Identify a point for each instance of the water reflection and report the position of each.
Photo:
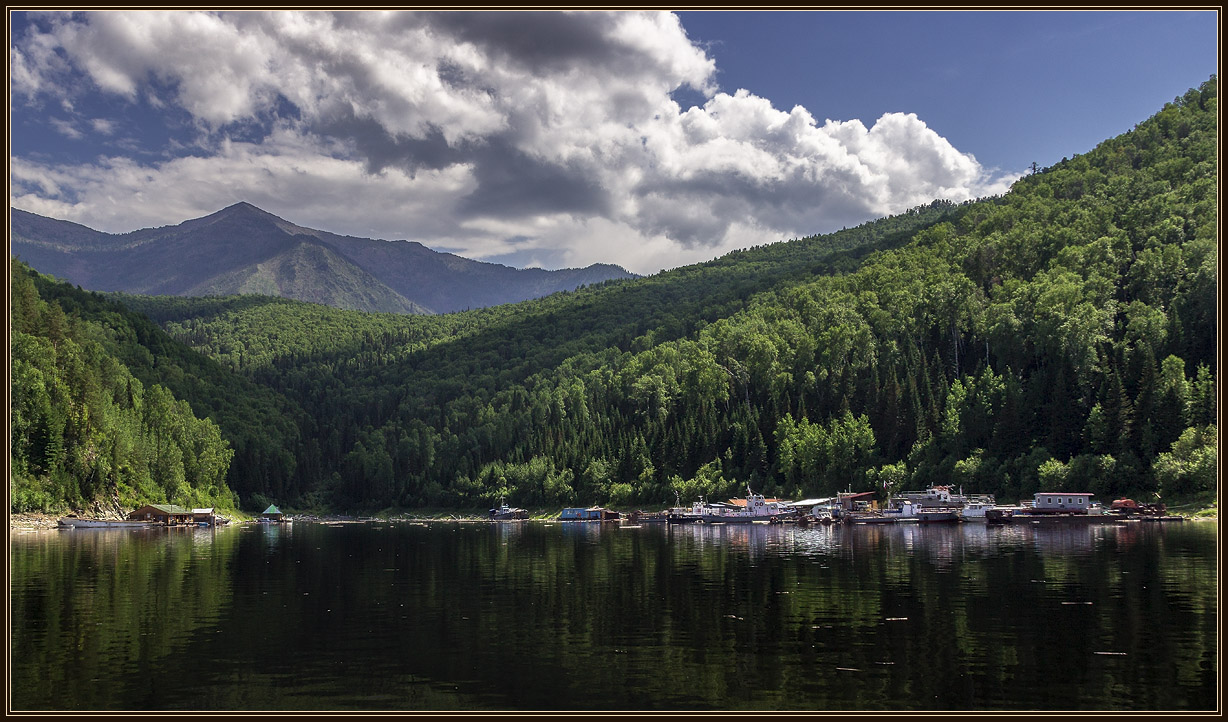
(751, 540)
(594, 616)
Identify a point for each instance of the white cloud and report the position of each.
(287, 175)
(551, 134)
(65, 128)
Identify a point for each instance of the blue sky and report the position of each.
(1010, 87)
(650, 140)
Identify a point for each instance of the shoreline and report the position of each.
(34, 522)
(29, 521)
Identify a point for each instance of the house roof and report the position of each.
(203, 511)
(170, 508)
(742, 502)
(272, 510)
(813, 502)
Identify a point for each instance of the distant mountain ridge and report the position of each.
(243, 249)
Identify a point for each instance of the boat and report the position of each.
(935, 514)
(1063, 506)
(934, 496)
(1001, 514)
(901, 510)
(682, 515)
(908, 510)
(72, 522)
(507, 513)
(756, 509)
(976, 509)
(639, 516)
(871, 518)
(592, 513)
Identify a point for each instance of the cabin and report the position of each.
(859, 501)
(273, 514)
(162, 514)
(204, 516)
(1064, 502)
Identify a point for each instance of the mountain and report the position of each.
(242, 249)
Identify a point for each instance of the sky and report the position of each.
(646, 139)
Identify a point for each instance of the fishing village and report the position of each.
(937, 504)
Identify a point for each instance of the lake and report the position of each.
(589, 616)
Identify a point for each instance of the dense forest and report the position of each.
(86, 430)
(1062, 336)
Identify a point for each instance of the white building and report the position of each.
(1065, 502)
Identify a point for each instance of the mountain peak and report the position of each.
(243, 245)
(243, 208)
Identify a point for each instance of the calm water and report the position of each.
(529, 615)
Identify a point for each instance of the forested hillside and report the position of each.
(86, 431)
(353, 371)
(107, 407)
(1062, 336)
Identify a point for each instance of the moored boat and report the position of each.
(1000, 514)
(1058, 503)
(507, 513)
(592, 513)
(901, 510)
(756, 509)
(72, 522)
(976, 510)
(682, 515)
(934, 496)
(870, 518)
(937, 514)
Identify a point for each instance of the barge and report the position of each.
(756, 509)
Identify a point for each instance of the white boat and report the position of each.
(682, 515)
(901, 510)
(505, 512)
(976, 509)
(73, 522)
(757, 509)
(909, 510)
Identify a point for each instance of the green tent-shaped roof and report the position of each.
(272, 510)
(171, 509)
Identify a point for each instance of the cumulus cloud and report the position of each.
(551, 134)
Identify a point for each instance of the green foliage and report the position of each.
(86, 432)
(1190, 467)
(825, 457)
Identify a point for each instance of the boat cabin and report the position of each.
(162, 514)
(1064, 502)
(593, 513)
(204, 516)
(935, 496)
